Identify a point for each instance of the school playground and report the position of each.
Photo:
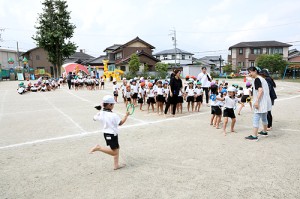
(46, 137)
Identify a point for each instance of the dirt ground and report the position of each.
(45, 139)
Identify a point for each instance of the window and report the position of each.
(256, 51)
(118, 56)
(275, 51)
(240, 51)
(252, 63)
(183, 57)
(243, 64)
(37, 57)
(173, 57)
(165, 57)
(239, 64)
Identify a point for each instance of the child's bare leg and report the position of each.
(106, 150)
(233, 120)
(116, 160)
(212, 119)
(193, 106)
(240, 109)
(181, 108)
(218, 121)
(250, 103)
(152, 107)
(188, 106)
(224, 125)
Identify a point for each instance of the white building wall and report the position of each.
(285, 53)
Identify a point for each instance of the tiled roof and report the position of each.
(260, 44)
(172, 51)
(211, 58)
(80, 55)
(113, 47)
(127, 59)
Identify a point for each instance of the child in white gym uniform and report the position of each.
(110, 122)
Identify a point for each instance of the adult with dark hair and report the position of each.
(265, 74)
(175, 87)
(69, 79)
(205, 80)
(261, 103)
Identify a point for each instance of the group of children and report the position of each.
(43, 85)
(224, 101)
(156, 93)
(91, 83)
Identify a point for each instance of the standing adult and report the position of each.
(205, 80)
(261, 103)
(69, 79)
(265, 74)
(175, 87)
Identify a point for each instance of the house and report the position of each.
(168, 56)
(244, 54)
(213, 61)
(38, 59)
(294, 56)
(119, 55)
(78, 57)
(6, 56)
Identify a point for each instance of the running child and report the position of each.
(128, 95)
(110, 122)
(102, 83)
(199, 96)
(215, 109)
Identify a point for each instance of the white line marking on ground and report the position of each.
(83, 134)
(66, 116)
(290, 130)
(92, 103)
(288, 98)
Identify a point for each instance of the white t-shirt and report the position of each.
(199, 91)
(115, 87)
(141, 92)
(21, 90)
(150, 92)
(109, 120)
(128, 94)
(204, 79)
(230, 103)
(247, 91)
(160, 91)
(134, 88)
(190, 92)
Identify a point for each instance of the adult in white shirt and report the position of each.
(205, 80)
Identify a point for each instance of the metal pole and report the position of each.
(220, 63)
(18, 53)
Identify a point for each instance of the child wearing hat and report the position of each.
(115, 90)
(246, 97)
(110, 122)
(190, 93)
(199, 96)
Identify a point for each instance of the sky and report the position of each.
(204, 28)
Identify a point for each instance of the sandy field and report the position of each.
(45, 139)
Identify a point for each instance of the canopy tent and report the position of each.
(73, 67)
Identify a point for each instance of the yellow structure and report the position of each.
(116, 74)
(41, 72)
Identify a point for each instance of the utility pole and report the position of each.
(18, 54)
(173, 33)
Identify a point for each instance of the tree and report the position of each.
(227, 68)
(134, 63)
(54, 31)
(162, 69)
(271, 62)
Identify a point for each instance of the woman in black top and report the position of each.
(175, 87)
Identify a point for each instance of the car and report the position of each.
(243, 72)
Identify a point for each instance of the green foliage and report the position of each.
(227, 68)
(54, 31)
(271, 62)
(134, 63)
(145, 72)
(162, 69)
